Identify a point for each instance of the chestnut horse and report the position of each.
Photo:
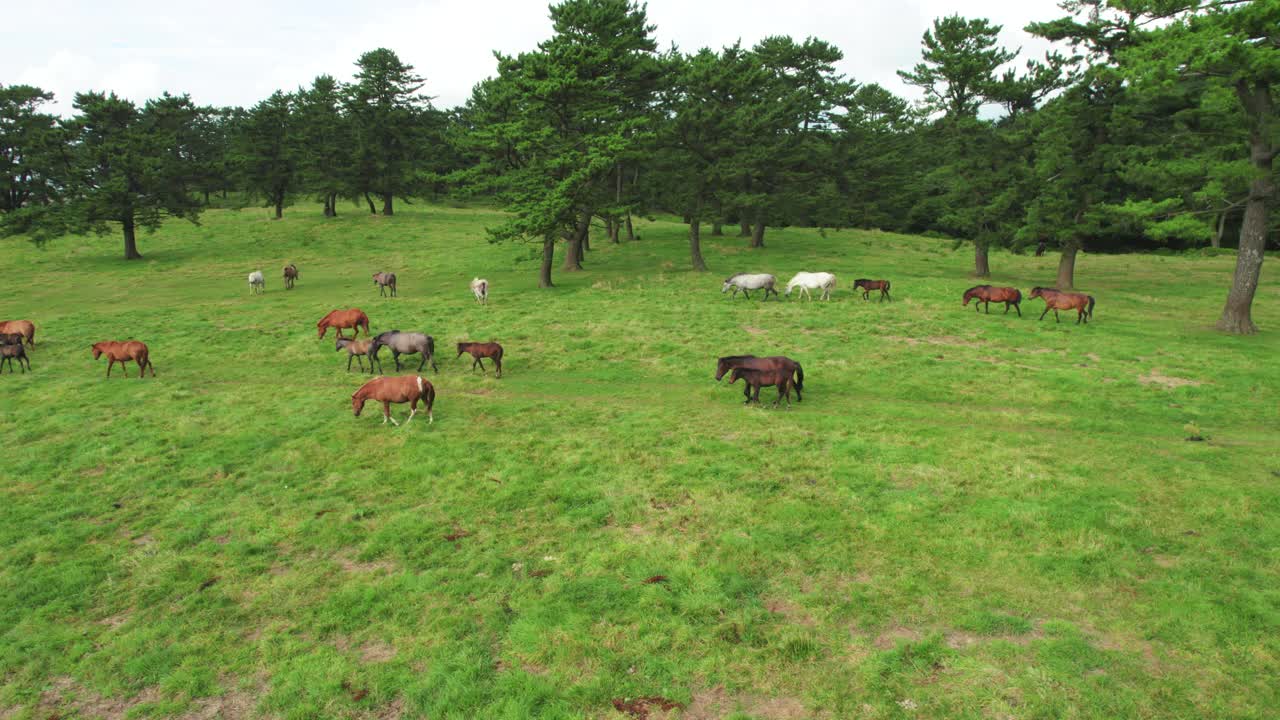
(386, 390)
(290, 276)
(25, 327)
(1056, 300)
(988, 293)
(869, 285)
(122, 352)
(340, 319)
(777, 362)
(756, 379)
(479, 351)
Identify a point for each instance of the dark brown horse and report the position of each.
(1056, 300)
(11, 347)
(756, 379)
(25, 327)
(384, 281)
(989, 293)
(479, 351)
(386, 390)
(869, 285)
(776, 362)
(122, 352)
(340, 319)
(290, 276)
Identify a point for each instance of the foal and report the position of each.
(480, 289)
(869, 285)
(777, 362)
(121, 352)
(257, 283)
(384, 281)
(356, 349)
(479, 351)
(1056, 300)
(386, 390)
(756, 379)
(290, 276)
(11, 347)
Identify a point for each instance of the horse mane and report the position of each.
(975, 287)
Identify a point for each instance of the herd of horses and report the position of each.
(805, 281)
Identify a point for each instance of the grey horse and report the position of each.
(403, 343)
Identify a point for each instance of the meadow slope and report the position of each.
(969, 516)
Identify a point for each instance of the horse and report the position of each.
(290, 276)
(11, 347)
(777, 362)
(257, 283)
(480, 289)
(384, 281)
(869, 285)
(403, 343)
(386, 390)
(340, 319)
(988, 293)
(807, 281)
(750, 281)
(356, 349)
(479, 351)
(26, 328)
(756, 379)
(122, 352)
(1056, 300)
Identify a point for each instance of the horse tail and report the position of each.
(799, 377)
(1090, 308)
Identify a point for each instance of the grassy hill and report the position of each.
(968, 516)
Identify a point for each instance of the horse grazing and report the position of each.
(1056, 300)
(479, 351)
(122, 352)
(11, 347)
(26, 328)
(386, 390)
(989, 293)
(777, 362)
(257, 283)
(353, 319)
(290, 276)
(384, 281)
(403, 343)
(747, 282)
(756, 379)
(480, 289)
(357, 349)
(869, 285)
(807, 281)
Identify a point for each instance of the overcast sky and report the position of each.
(232, 52)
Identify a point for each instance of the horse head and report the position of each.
(97, 350)
(1037, 291)
(357, 403)
(728, 283)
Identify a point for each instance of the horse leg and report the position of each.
(1018, 308)
(396, 356)
(497, 362)
(1055, 316)
(424, 362)
(746, 393)
(349, 357)
(747, 294)
(1046, 312)
(988, 306)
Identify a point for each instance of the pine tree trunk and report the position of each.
(328, 211)
(548, 254)
(1067, 266)
(573, 254)
(386, 205)
(372, 209)
(279, 206)
(631, 233)
(695, 244)
(1237, 315)
(757, 234)
(716, 229)
(333, 204)
(981, 262)
(1222, 227)
(130, 240)
(744, 229)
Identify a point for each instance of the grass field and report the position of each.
(969, 516)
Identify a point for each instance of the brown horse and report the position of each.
(11, 347)
(384, 281)
(386, 390)
(777, 362)
(290, 276)
(340, 319)
(357, 349)
(25, 327)
(755, 379)
(1056, 300)
(122, 352)
(989, 293)
(869, 285)
(479, 351)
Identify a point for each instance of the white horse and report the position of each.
(751, 281)
(480, 288)
(257, 283)
(807, 281)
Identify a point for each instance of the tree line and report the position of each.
(1150, 123)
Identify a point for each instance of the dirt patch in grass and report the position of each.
(376, 651)
(753, 330)
(234, 704)
(391, 711)
(116, 620)
(356, 566)
(715, 703)
(890, 638)
(791, 612)
(961, 639)
(66, 696)
(1155, 377)
(950, 340)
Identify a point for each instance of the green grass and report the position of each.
(969, 516)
